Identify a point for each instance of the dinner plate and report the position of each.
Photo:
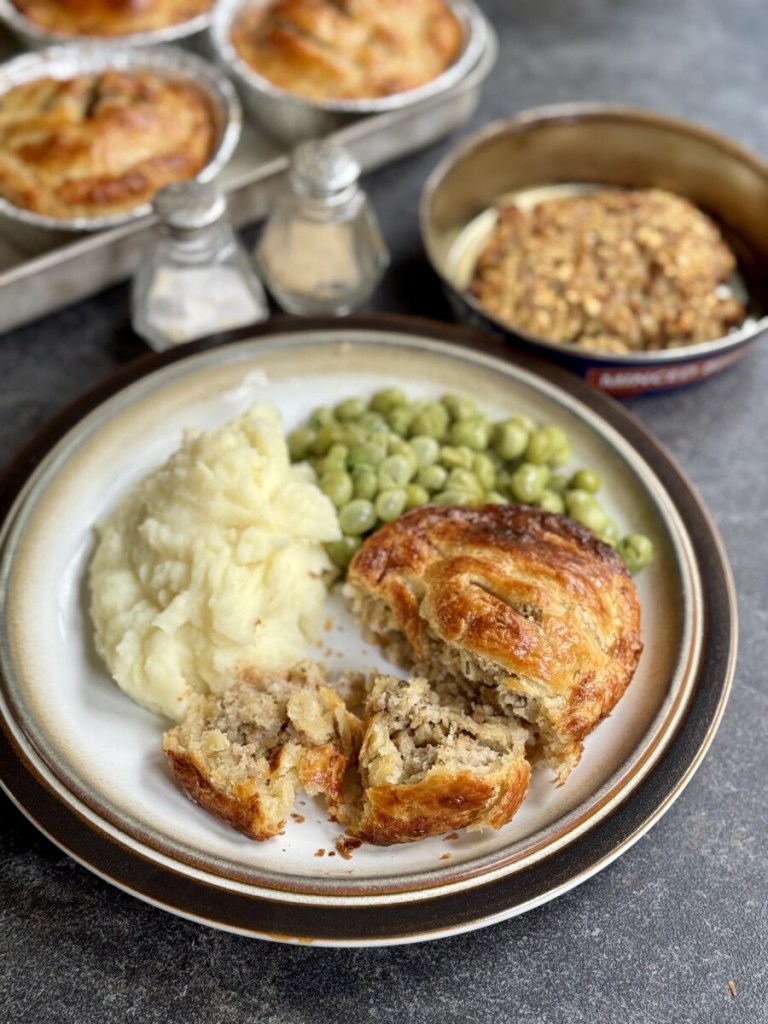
(84, 763)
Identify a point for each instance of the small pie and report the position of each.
(100, 144)
(348, 49)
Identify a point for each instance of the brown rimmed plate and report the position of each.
(84, 764)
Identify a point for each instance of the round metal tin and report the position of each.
(556, 150)
(65, 62)
(292, 119)
(36, 37)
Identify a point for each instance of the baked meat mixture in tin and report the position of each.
(617, 271)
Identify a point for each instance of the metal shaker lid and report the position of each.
(189, 205)
(322, 169)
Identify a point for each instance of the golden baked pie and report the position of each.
(244, 754)
(110, 17)
(512, 609)
(620, 270)
(348, 49)
(100, 144)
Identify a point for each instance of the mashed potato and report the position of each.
(211, 565)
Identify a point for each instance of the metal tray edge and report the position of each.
(81, 268)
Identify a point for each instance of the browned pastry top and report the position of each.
(110, 17)
(348, 49)
(521, 598)
(100, 144)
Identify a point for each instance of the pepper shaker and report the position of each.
(198, 279)
(321, 249)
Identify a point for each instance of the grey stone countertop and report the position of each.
(676, 929)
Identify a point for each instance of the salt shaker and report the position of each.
(321, 250)
(198, 278)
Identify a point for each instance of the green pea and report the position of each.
(494, 498)
(463, 480)
(510, 439)
(636, 550)
(474, 433)
(593, 518)
(350, 409)
(558, 482)
(459, 407)
(586, 480)
(485, 470)
(528, 482)
(394, 471)
(451, 497)
(400, 419)
(452, 457)
(504, 481)
(365, 481)
(551, 501)
(432, 477)
(610, 533)
(432, 420)
(387, 399)
(560, 446)
(341, 552)
(371, 453)
(539, 448)
(335, 458)
(578, 501)
(399, 446)
(321, 417)
(415, 495)
(584, 507)
(548, 446)
(373, 422)
(390, 504)
(338, 486)
(426, 449)
(528, 423)
(351, 433)
(357, 517)
(327, 435)
(300, 443)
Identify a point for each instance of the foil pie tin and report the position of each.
(292, 119)
(556, 151)
(34, 231)
(37, 37)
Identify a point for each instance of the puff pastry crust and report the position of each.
(348, 49)
(110, 17)
(526, 607)
(100, 144)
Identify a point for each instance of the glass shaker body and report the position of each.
(321, 250)
(197, 280)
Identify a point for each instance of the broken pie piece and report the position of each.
(244, 754)
(428, 767)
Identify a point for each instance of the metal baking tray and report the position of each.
(33, 284)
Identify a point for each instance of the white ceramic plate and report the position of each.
(85, 764)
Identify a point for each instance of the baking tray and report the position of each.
(35, 283)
